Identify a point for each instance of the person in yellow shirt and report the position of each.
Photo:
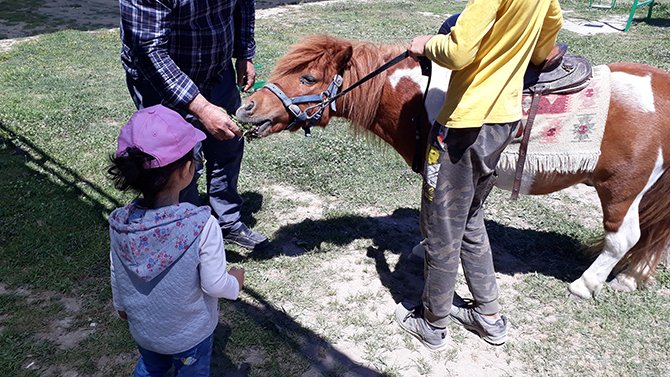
(488, 51)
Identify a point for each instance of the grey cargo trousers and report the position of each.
(458, 176)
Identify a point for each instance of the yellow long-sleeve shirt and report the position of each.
(488, 51)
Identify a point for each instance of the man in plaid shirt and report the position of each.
(179, 53)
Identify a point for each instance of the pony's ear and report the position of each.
(343, 57)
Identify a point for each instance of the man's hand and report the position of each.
(215, 119)
(418, 46)
(246, 73)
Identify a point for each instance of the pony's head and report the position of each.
(307, 69)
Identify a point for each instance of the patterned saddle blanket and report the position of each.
(567, 131)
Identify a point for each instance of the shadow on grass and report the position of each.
(252, 204)
(657, 22)
(396, 233)
(514, 250)
(52, 220)
(285, 335)
(54, 241)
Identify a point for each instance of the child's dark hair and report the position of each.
(128, 172)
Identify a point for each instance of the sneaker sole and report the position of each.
(418, 337)
(496, 341)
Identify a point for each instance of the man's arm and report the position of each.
(146, 24)
(552, 24)
(146, 27)
(244, 17)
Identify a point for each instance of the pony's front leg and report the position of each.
(617, 245)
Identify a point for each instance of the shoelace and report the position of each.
(412, 313)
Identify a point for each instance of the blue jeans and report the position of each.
(223, 157)
(194, 362)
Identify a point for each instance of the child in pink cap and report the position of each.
(168, 264)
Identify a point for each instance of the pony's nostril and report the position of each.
(249, 106)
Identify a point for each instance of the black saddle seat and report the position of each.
(562, 73)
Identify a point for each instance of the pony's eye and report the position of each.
(308, 79)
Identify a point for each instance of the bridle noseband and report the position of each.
(291, 104)
(324, 99)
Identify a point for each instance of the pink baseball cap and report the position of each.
(159, 132)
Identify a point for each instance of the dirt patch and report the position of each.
(59, 371)
(6, 44)
(106, 363)
(352, 306)
(47, 16)
(60, 330)
(583, 199)
(603, 25)
(303, 205)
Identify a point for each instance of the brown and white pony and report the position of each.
(631, 176)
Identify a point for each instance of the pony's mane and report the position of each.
(316, 53)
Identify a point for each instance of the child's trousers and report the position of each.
(190, 363)
(459, 174)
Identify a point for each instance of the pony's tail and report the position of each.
(641, 260)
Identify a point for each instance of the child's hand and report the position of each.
(238, 273)
(417, 47)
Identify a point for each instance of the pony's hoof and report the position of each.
(579, 290)
(574, 297)
(623, 283)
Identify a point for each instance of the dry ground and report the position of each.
(356, 292)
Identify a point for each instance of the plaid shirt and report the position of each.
(180, 45)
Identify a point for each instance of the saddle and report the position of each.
(560, 74)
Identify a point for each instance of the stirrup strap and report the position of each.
(523, 148)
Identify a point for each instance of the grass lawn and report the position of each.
(342, 212)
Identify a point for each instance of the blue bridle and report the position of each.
(324, 99)
(291, 104)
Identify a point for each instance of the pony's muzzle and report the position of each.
(249, 106)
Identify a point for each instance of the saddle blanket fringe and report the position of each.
(567, 131)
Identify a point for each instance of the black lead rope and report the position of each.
(426, 70)
(370, 75)
(291, 104)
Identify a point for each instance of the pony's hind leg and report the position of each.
(617, 244)
(641, 261)
(625, 281)
(620, 236)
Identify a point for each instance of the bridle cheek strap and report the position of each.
(322, 101)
